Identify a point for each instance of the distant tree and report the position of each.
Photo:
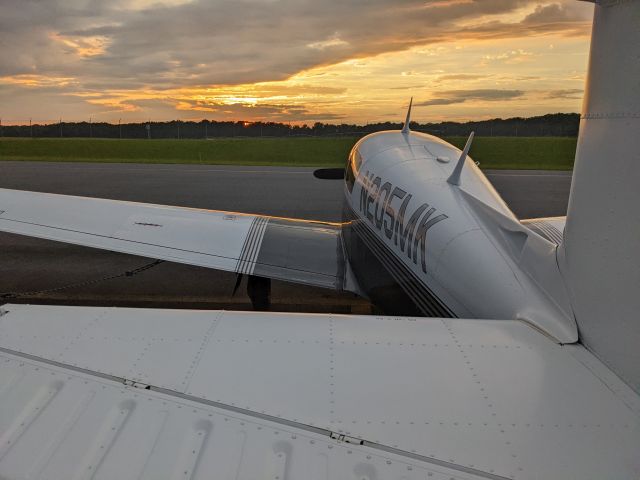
(553, 124)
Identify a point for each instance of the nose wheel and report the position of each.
(259, 291)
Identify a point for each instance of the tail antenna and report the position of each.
(454, 179)
(405, 128)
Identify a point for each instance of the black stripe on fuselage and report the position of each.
(424, 299)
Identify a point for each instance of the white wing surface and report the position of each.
(286, 249)
(140, 393)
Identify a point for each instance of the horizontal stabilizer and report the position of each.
(551, 228)
(535, 255)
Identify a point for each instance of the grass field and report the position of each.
(555, 153)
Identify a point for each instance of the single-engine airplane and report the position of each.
(508, 348)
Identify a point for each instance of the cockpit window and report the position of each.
(353, 166)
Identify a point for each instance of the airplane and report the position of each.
(508, 348)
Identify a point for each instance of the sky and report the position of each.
(297, 61)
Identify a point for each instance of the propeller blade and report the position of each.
(329, 173)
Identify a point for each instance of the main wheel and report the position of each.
(259, 291)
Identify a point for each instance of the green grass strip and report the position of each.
(554, 153)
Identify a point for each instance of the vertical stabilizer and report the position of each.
(600, 256)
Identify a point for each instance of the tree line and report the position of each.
(550, 125)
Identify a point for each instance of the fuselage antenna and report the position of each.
(405, 128)
(454, 179)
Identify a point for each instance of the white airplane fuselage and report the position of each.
(420, 245)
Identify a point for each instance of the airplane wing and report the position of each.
(140, 393)
(294, 250)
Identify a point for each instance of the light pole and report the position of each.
(60, 127)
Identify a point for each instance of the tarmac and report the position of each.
(33, 265)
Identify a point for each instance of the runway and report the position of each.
(28, 265)
(533, 193)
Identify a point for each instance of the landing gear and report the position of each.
(259, 291)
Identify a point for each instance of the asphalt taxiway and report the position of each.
(30, 265)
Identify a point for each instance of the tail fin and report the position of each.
(600, 255)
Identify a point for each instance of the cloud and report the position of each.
(192, 108)
(406, 87)
(567, 18)
(149, 45)
(333, 41)
(461, 76)
(554, 13)
(82, 46)
(451, 97)
(569, 93)
(116, 45)
(510, 56)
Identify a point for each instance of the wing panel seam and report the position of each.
(281, 421)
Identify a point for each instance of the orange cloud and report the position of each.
(83, 46)
(302, 61)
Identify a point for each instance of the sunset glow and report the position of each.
(459, 59)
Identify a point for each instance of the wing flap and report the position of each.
(488, 398)
(286, 249)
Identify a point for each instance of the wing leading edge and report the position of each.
(293, 250)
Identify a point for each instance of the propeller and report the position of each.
(329, 173)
